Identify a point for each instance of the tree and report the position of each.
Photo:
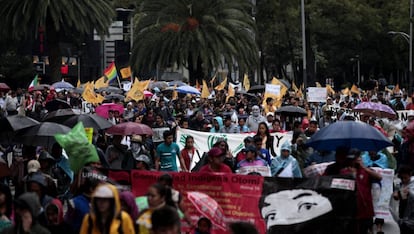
(201, 35)
(59, 19)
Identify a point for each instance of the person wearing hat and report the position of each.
(242, 154)
(33, 168)
(38, 184)
(285, 161)
(106, 215)
(142, 162)
(270, 116)
(251, 159)
(137, 146)
(215, 164)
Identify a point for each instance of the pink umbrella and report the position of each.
(147, 93)
(378, 110)
(208, 207)
(104, 109)
(4, 87)
(129, 128)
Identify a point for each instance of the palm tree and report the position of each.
(202, 35)
(59, 19)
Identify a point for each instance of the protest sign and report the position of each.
(382, 193)
(316, 94)
(271, 204)
(262, 170)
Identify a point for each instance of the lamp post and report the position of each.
(305, 78)
(409, 40)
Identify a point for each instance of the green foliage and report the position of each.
(187, 32)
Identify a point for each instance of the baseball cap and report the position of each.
(143, 158)
(215, 152)
(33, 166)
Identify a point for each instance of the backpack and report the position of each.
(202, 161)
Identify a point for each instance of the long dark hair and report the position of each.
(164, 191)
(107, 224)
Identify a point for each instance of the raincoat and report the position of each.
(61, 226)
(121, 223)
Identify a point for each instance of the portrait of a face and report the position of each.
(295, 206)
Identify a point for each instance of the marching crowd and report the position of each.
(48, 197)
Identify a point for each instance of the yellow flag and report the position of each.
(294, 87)
(329, 89)
(174, 93)
(205, 92)
(213, 79)
(222, 85)
(354, 89)
(345, 91)
(142, 85)
(246, 82)
(101, 82)
(89, 94)
(230, 92)
(396, 89)
(125, 72)
(135, 93)
(78, 84)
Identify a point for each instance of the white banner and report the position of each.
(262, 170)
(316, 94)
(272, 89)
(204, 141)
(402, 115)
(382, 193)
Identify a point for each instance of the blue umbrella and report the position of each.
(350, 134)
(63, 85)
(188, 89)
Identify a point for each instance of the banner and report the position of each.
(382, 193)
(403, 115)
(262, 170)
(272, 89)
(204, 141)
(316, 94)
(273, 205)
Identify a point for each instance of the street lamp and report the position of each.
(409, 40)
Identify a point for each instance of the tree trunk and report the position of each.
(196, 74)
(55, 56)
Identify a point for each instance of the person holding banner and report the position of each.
(267, 139)
(251, 158)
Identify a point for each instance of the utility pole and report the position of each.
(305, 78)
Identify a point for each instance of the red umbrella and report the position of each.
(148, 93)
(4, 87)
(129, 128)
(208, 207)
(103, 109)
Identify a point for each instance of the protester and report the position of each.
(27, 209)
(54, 218)
(204, 226)
(142, 162)
(165, 220)
(254, 119)
(106, 215)
(252, 158)
(229, 126)
(242, 154)
(6, 207)
(224, 146)
(215, 162)
(267, 139)
(167, 152)
(188, 153)
(158, 197)
(118, 155)
(285, 161)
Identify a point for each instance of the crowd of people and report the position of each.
(49, 197)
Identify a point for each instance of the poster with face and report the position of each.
(306, 206)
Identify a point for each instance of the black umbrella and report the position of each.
(256, 89)
(246, 93)
(89, 121)
(59, 115)
(56, 104)
(16, 122)
(291, 111)
(42, 134)
(114, 96)
(111, 89)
